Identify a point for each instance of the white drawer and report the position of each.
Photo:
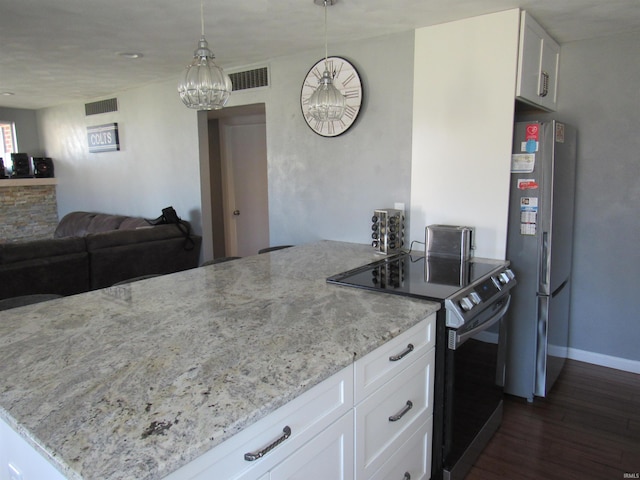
(376, 435)
(413, 459)
(306, 416)
(329, 456)
(376, 368)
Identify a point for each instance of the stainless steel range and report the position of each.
(470, 348)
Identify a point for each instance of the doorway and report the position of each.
(239, 183)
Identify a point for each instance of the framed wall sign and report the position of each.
(103, 138)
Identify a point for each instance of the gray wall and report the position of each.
(328, 187)
(599, 92)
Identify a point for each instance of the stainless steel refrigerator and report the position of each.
(539, 246)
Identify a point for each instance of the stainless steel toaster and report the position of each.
(449, 241)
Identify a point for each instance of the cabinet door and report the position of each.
(538, 57)
(327, 456)
(412, 461)
(549, 74)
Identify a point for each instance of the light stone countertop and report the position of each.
(133, 382)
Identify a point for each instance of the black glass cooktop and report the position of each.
(414, 275)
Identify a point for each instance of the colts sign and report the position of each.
(103, 138)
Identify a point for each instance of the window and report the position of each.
(9, 145)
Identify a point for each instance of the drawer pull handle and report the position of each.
(407, 476)
(250, 457)
(401, 413)
(402, 354)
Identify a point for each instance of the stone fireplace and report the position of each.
(28, 209)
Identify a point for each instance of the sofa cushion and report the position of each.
(132, 223)
(79, 224)
(103, 222)
(18, 252)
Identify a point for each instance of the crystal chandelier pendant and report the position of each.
(204, 86)
(326, 103)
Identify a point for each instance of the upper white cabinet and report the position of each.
(538, 57)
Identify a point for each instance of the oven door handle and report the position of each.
(455, 339)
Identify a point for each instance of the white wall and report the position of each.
(157, 164)
(463, 107)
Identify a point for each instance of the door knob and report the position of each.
(236, 212)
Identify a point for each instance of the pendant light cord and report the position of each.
(326, 49)
(202, 16)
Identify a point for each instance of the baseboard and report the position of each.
(624, 364)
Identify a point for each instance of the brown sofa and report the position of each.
(94, 250)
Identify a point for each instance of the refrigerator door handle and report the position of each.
(544, 265)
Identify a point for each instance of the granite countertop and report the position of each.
(132, 382)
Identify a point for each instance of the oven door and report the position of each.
(473, 391)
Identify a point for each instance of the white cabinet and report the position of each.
(394, 400)
(328, 456)
(538, 58)
(412, 461)
(385, 419)
(19, 460)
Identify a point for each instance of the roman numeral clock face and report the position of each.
(346, 79)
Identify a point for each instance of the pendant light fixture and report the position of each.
(326, 103)
(204, 86)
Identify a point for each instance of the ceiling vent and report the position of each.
(255, 78)
(102, 106)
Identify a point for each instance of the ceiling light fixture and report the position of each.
(131, 55)
(205, 85)
(326, 103)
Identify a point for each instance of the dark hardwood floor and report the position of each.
(588, 427)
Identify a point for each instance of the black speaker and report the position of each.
(42, 167)
(21, 167)
(2, 172)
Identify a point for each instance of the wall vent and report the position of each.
(255, 78)
(102, 106)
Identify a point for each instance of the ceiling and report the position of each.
(60, 51)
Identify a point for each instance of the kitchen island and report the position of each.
(135, 381)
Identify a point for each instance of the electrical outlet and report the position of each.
(399, 206)
(14, 473)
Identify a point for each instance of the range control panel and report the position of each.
(475, 298)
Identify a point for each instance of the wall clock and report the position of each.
(347, 80)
